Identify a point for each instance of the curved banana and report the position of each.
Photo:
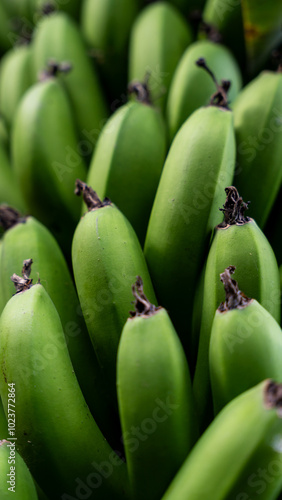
(45, 160)
(191, 88)
(106, 26)
(242, 443)
(128, 159)
(15, 79)
(57, 37)
(15, 478)
(24, 236)
(160, 52)
(185, 210)
(155, 398)
(245, 344)
(258, 128)
(106, 258)
(54, 428)
(238, 241)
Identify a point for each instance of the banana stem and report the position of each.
(234, 208)
(9, 217)
(141, 90)
(219, 98)
(143, 306)
(234, 298)
(23, 282)
(90, 197)
(273, 396)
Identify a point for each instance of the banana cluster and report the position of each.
(140, 250)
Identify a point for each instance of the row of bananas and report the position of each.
(140, 250)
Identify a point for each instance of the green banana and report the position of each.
(245, 344)
(10, 191)
(26, 236)
(106, 258)
(191, 88)
(237, 241)
(45, 159)
(240, 445)
(128, 159)
(155, 398)
(158, 38)
(185, 209)
(54, 429)
(16, 481)
(106, 25)
(3, 422)
(58, 37)
(6, 34)
(258, 128)
(226, 16)
(15, 79)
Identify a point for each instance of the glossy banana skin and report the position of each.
(257, 121)
(15, 79)
(154, 388)
(254, 430)
(30, 237)
(128, 160)
(245, 348)
(191, 87)
(20, 485)
(58, 37)
(245, 247)
(45, 160)
(107, 257)
(55, 430)
(106, 26)
(185, 210)
(160, 53)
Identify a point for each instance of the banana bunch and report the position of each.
(140, 250)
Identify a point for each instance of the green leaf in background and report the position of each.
(262, 21)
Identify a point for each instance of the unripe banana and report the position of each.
(159, 52)
(44, 158)
(258, 129)
(6, 33)
(185, 210)
(243, 441)
(226, 17)
(191, 88)
(15, 79)
(106, 25)
(237, 241)
(245, 345)
(15, 478)
(57, 37)
(54, 428)
(129, 157)
(26, 236)
(106, 257)
(10, 191)
(3, 422)
(155, 398)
